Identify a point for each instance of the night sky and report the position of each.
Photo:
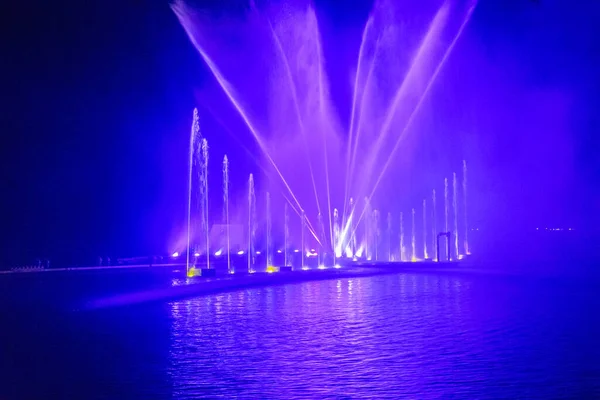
(97, 98)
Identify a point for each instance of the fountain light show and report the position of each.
(330, 174)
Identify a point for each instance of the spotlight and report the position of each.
(176, 254)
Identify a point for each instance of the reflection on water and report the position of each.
(420, 336)
(391, 336)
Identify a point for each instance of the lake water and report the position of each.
(400, 335)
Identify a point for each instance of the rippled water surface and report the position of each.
(390, 336)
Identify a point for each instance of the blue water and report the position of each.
(401, 335)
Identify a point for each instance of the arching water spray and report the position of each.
(194, 133)
(184, 15)
(435, 232)
(402, 252)
(269, 238)
(251, 222)
(425, 254)
(466, 222)
(226, 211)
(415, 110)
(455, 209)
(414, 237)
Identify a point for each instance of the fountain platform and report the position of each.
(208, 272)
(200, 286)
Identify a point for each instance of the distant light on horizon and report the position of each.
(240, 252)
(175, 254)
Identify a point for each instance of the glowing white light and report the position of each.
(305, 268)
(337, 266)
(218, 253)
(196, 254)
(258, 252)
(176, 254)
(279, 251)
(296, 251)
(322, 267)
(240, 252)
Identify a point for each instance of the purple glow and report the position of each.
(287, 107)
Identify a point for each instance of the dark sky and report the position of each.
(97, 97)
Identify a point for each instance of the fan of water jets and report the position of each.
(272, 71)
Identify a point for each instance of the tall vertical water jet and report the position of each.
(466, 222)
(286, 234)
(321, 260)
(205, 198)
(302, 233)
(251, 222)
(402, 247)
(425, 255)
(389, 235)
(336, 235)
(368, 229)
(446, 211)
(352, 229)
(455, 209)
(344, 235)
(414, 237)
(226, 211)
(376, 233)
(269, 238)
(194, 133)
(435, 232)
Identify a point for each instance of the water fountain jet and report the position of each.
(226, 211)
